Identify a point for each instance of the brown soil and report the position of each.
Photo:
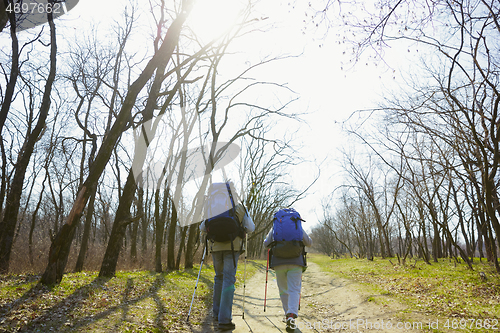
(328, 304)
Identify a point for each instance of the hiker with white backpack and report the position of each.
(226, 224)
(286, 255)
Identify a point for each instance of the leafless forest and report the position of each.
(425, 184)
(100, 137)
(103, 133)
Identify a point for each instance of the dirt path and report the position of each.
(328, 304)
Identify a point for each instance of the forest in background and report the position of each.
(421, 180)
(101, 138)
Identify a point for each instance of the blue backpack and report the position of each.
(221, 222)
(287, 234)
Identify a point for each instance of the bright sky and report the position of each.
(328, 93)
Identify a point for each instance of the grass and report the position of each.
(132, 301)
(442, 290)
(145, 301)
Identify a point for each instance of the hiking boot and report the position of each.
(227, 327)
(290, 322)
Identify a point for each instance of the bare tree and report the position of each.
(446, 127)
(264, 166)
(91, 66)
(218, 110)
(4, 17)
(60, 246)
(10, 215)
(14, 68)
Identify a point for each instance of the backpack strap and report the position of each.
(232, 251)
(231, 196)
(242, 232)
(234, 212)
(206, 244)
(304, 253)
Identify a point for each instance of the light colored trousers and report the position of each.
(289, 278)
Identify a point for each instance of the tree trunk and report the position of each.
(86, 233)
(7, 100)
(146, 135)
(160, 226)
(61, 243)
(122, 219)
(144, 227)
(33, 222)
(8, 224)
(57, 259)
(14, 71)
(189, 257)
(135, 225)
(181, 247)
(436, 243)
(171, 239)
(490, 210)
(383, 241)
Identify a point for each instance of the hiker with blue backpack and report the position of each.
(287, 256)
(226, 224)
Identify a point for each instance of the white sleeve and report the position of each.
(306, 239)
(203, 228)
(269, 238)
(248, 222)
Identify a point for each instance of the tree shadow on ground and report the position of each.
(201, 321)
(167, 311)
(66, 314)
(80, 295)
(62, 308)
(33, 292)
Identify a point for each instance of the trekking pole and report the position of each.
(245, 275)
(197, 279)
(267, 270)
(300, 294)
